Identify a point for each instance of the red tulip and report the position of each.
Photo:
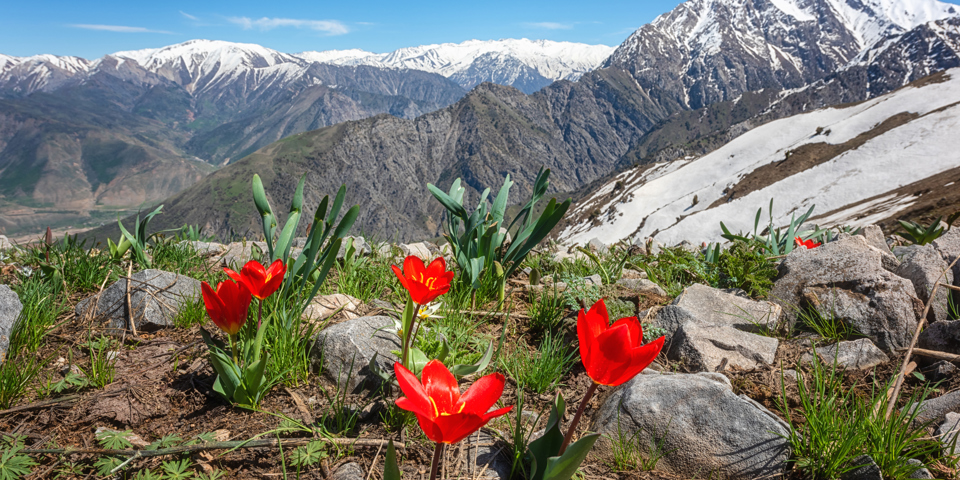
(613, 354)
(227, 306)
(444, 415)
(261, 282)
(425, 283)
(808, 244)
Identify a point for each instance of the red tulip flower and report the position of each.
(425, 283)
(613, 354)
(261, 282)
(227, 306)
(808, 244)
(444, 415)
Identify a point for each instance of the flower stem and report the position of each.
(233, 348)
(576, 418)
(437, 453)
(407, 339)
(259, 314)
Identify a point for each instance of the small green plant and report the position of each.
(308, 455)
(16, 376)
(13, 464)
(923, 234)
(578, 292)
(288, 340)
(744, 266)
(675, 269)
(825, 323)
(546, 309)
(541, 370)
(610, 271)
(102, 361)
(775, 240)
(41, 307)
(342, 417)
(627, 454)
(138, 239)
(190, 314)
(362, 277)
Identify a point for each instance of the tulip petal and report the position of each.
(399, 274)
(483, 394)
(413, 389)
(496, 413)
(430, 428)
(455, 428)
(634, 329)
(234, 275)
(413, 268)
(441, 386)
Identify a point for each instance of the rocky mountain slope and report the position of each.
(860, 164)
(527, 65)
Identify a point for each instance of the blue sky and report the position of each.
(91, 29)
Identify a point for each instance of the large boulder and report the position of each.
(721, 307)
(10, 308)
(924, 267)
(343, 351)
(707, 347)
(845, 280)
(701, 425)
(156, 298)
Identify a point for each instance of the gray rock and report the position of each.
(941, 336)
(420, 250)
(921, 471)
(845, 279)
(642, 286)
(867, 469)
(874, 237)
(325, 306)
(565, 255)
(349, 471)
(854, 355)
(359, 244)
(10, 308)
(596, 245)
(343, 351)
(934, 410)
(593, 280)
(948, 245)
(206, 249)
(237, 254)
(156, 297)
(669, 319)
(924, 266)
(947, 433)
(941, 371)
(714, 306)
(702, 425)
(5, 243)
(688, 247)
(631, 274)
(483, 457)
(704, 347)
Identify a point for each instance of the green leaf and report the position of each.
(464, 370)
(564, 466)
(548, 445)
(454, 207)
(391, 471)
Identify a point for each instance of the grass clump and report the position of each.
(541, 370)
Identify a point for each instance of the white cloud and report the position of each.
(118, 28)
(330, 27)
(549, 25)
(191, 17)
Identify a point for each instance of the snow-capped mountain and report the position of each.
(705, 51)
(526, 64)
(859, 164)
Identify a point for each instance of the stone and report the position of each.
(947, 433)
(941, 337)
(921, 471)
(687, 246)
(701, 424)
(156, 297)
(420, 250)
(10, 308)
(874, 238)
(948, 245)
(642, 286)
(325, 306)
(343, 351)
(705, 347)
(924, 266)
(714, 306)
(5, 243)
(669, 318)
(205, 249)
(483, 457)
(593, 280)
(853, 355)
(359, 244)
(845, 279)
(237, 254)
(349, 471)
(867, 469)
(934, 410)
(565, 255)
(596, 245)
(631, 274)
(940, 371)
(654, 247)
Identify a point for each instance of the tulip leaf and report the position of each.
(548, 445)
(564, 466)
(417, 360)
(391, 471)
(464, 370)
(455, 207)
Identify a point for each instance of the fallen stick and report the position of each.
(947, 285)
(133, 322)
(263, 442)
(913, 342)
(40, 404)
(950, 357)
